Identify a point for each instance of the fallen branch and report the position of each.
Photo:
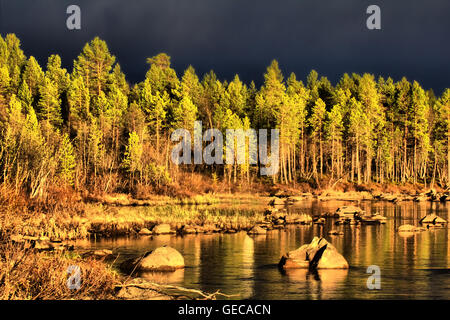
(159, 288)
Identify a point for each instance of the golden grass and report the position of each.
(105, 220)
(29, 275)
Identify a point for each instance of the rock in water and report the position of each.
(257, 230)
(102, 253)
(162, 229)
(276, 202)
(432, 219)
(319, 254)
(335, 233)
(348, 211)
(410, 228)
(145, 232)
(140, 289)
(161, 259)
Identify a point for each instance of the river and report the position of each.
(413, 267)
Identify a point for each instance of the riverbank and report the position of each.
(116, 215)
(44, 238)
(28, 274)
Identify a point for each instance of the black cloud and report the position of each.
(243, 36)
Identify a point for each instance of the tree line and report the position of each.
(91, 130)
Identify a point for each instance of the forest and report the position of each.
(88, 129)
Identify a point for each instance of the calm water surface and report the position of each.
(414, 267)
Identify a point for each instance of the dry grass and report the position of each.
(121, 220)
(29, 275)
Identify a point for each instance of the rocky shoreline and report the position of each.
(275, 217)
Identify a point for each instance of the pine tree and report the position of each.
(15, 60)
(66, 160)
(370, 99)
(334, 128)
(24, 95)
(441, 133)
(79, 102)
(419, 126)
(4, 89)
(298, 97)
(212, 91)
(162, 77)
(49, 104)
(271, 96)
(316, 122)
(57, 74)
(155, 105)
(190, 85)
(185, 114)
(358, 135)
(94, 65)
(95, 148)
(33, 76)
(117, 79)
(403, 113)
(133, 156)
(237, 95)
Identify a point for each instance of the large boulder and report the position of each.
(432, 219)
(163, 228)
(161, 259)
(319, 254)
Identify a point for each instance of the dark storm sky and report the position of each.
(243, 36)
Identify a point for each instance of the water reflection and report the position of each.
(413, 266)
(175, 277)
(321, 284)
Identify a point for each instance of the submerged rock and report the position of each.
(335, 233)
(319, 254)
(320, 221)
(374, 219)
(140, 289)
(98, 254)
(410, 228)
(102, 253)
